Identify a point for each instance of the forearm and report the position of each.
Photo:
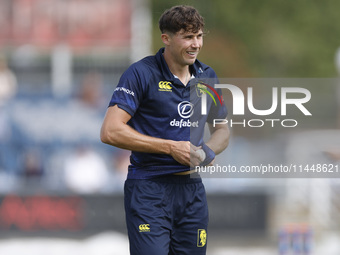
(125, 137)
(219, 139)
(116, 132)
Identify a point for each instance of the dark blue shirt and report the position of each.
(162, 106)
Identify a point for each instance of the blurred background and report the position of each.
(60, 60)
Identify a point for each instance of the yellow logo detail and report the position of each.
(144, 228)
(165, 86)
(200, 89)
(201, 238)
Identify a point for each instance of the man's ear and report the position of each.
(166, 38)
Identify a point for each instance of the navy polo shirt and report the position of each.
(161, 106)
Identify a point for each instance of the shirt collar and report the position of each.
(195, 69)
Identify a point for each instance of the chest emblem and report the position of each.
(164, 86)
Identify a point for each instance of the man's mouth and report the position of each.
(192, 53)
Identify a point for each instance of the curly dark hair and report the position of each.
(181, 17)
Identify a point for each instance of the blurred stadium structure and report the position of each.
(58, 180)
(66, 56)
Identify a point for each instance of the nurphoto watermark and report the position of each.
(279, 128)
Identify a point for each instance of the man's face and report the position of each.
(185, 46)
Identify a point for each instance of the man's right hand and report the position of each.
(186, 153)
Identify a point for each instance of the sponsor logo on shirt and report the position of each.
(185, 110)
(165, 86)
(125, 90)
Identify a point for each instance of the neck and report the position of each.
(183, 76)
(181, 71)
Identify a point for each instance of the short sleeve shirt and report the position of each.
(161, 106)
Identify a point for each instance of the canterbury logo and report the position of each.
(201, 238)
(144, 228)
(165, 86)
